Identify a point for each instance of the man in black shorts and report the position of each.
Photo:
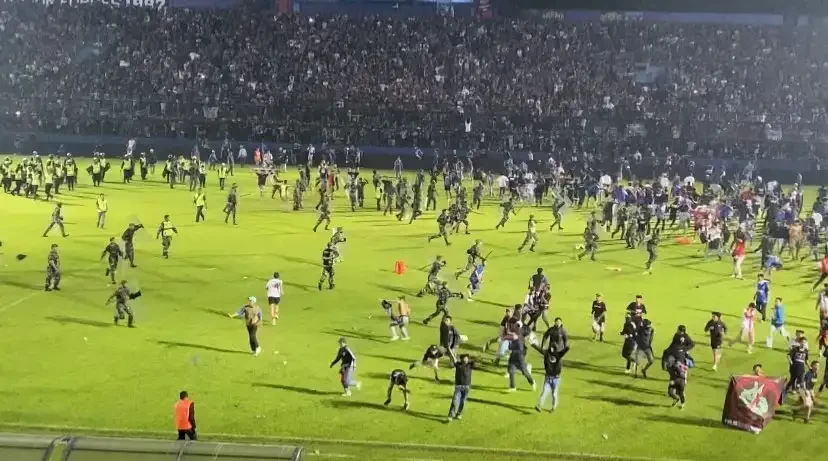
(400, 380)
(717, 331)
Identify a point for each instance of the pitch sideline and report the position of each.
(353, 443)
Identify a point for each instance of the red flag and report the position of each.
(751, 401)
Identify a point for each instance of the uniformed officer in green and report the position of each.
(166, 230)
(222, 175)
(200, 201)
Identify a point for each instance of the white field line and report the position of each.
(19, 301)
(356, 443)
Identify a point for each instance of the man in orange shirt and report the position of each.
(185, 417)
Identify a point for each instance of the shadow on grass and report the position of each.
(486, 323)
(301, 390)
(492, 303)
(200, 347)
(624, 386)
(493, 403)
(611, 371)
(620, 401)
(394, 289)
(686, 420)
(354, 404)
(357, 334)
(300, 286)
(390, 357)
(214, 312)
(64, 320)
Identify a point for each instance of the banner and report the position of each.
(153, 4)
(751, 402)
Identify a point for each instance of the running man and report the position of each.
(274, 296)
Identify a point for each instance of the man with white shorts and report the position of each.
(274, 296)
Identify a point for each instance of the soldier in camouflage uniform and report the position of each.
(432, 281)
(121, 296)
(115, 254)
(324, 213)
(443, 295)
(442, 226)
(508, 207)
(129, 247)
(472, 255)
(53, 270)
(531, 238)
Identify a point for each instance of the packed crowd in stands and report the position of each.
(447, 82)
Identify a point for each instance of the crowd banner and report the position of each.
(152, 4)
(751, 402)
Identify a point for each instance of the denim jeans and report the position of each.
(550, 386)
(458, 402)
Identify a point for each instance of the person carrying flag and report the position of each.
(475, 280)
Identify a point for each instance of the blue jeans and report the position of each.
(503, 349)
(550, 386)
(346, 377)
(458, 402)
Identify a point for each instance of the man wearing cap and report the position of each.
(252, 315)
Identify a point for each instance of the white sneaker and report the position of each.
(258, 351)
(534, 386)
(469, 300)
(346, 394)
(511, 389)
(715, 367)
(506, 375)
(359, 385)
(405, 338)
(394, 338)
(529, 368)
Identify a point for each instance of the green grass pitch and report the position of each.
(64, 365)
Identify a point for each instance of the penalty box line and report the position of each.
(353, 443)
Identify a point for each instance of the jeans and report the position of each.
(346, 376)
(550, 386)
(458, 402)
(504, 347)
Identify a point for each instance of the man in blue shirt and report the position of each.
(762, 294)
(778, 323)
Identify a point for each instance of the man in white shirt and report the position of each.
(690, 181)
(274, 296)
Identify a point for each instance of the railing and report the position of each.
(19, 447)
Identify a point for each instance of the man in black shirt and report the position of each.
(628, 331)
(552, 364)
(462, 386)
(517, 361)
(599, 314)
(538, 281)
(431, 357)
(717, 331)
(443, 295)
(644, 343)
(637, 307)
(347, 368)
(400, 380)
(806, 393)
(555, 335)
(678, 382)
(797, 360)
(449, 339)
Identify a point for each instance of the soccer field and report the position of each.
(65, 365)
